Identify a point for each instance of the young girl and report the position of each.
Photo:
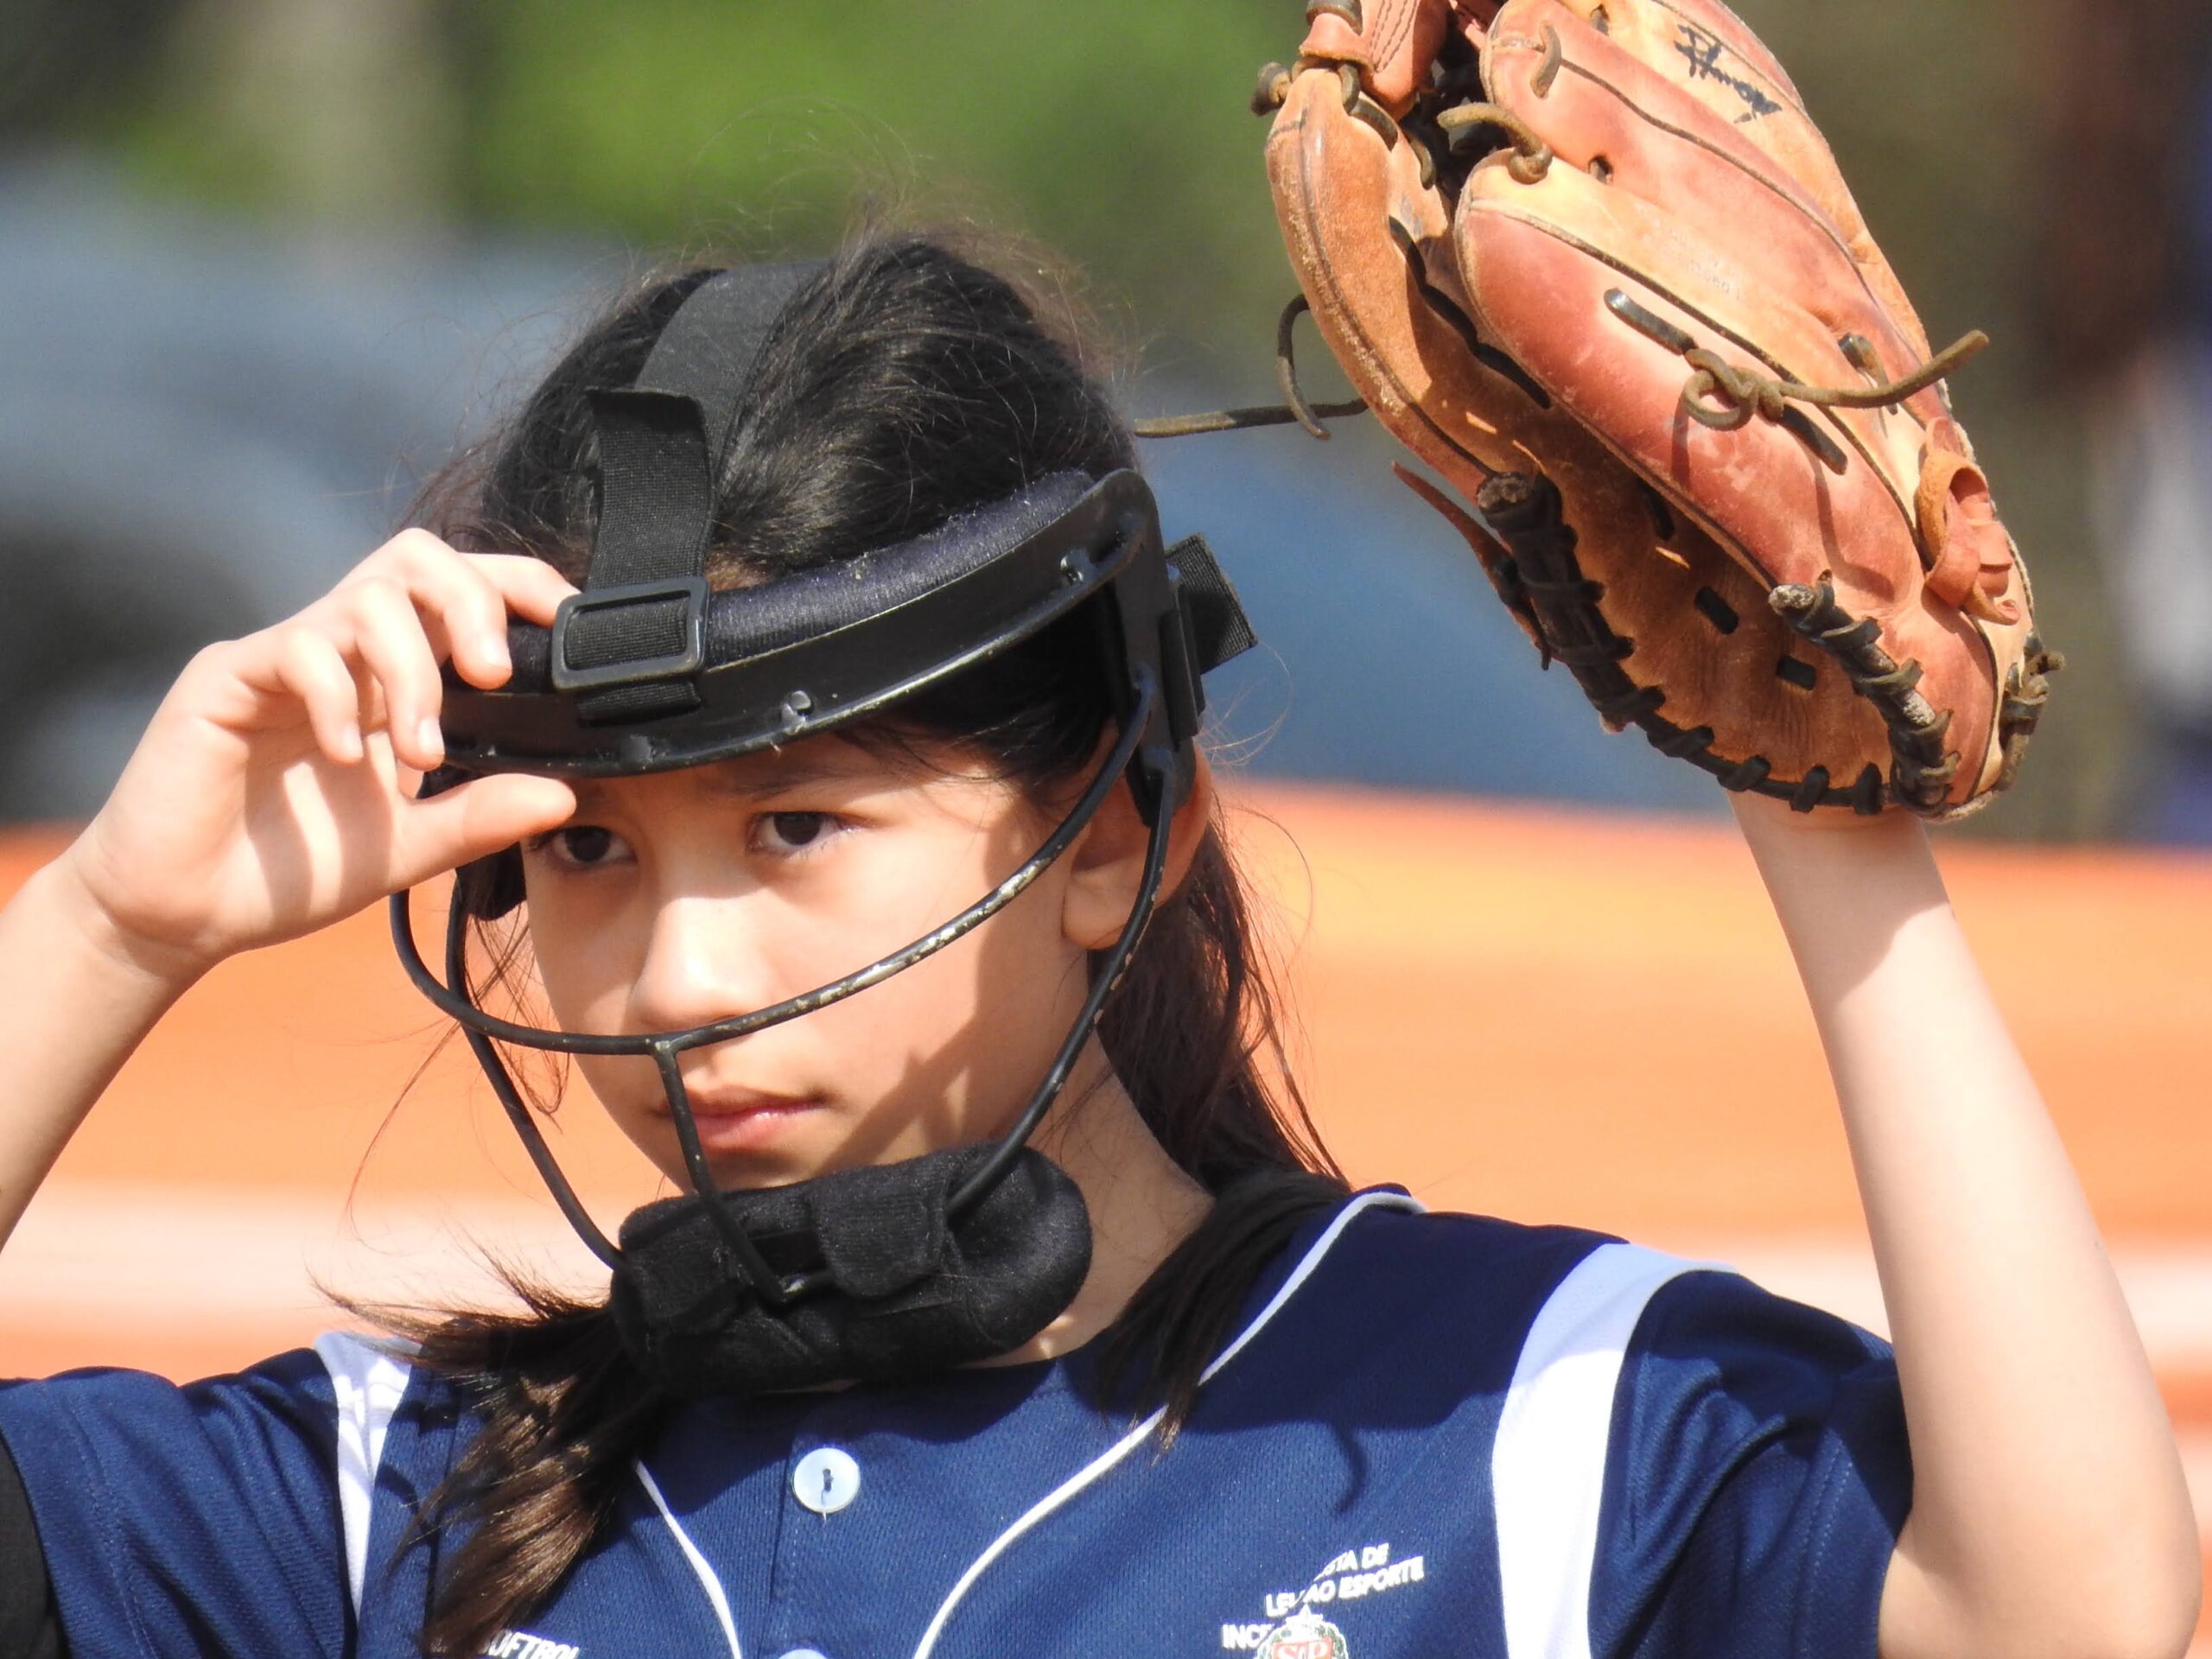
(1262, 1413)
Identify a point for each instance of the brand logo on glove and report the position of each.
(1703, 52)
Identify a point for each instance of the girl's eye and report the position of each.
(583, 845)
(792, 832)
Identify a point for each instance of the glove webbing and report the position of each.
(1523, 513)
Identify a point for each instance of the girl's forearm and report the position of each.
(72, 1007)
(2049, 1514)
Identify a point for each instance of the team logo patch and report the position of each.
(1293, 1625)
(1304, 1636)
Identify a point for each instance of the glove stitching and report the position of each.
(1922, 769)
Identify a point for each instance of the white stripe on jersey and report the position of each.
(367, 1380)
(1548, 1465)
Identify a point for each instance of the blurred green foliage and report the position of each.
(1118, 136)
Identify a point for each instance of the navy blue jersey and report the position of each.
(1432, 1435)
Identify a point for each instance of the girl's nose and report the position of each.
(703, 964)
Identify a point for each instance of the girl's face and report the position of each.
(675, 900)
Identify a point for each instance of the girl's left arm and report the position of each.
(2050, 1517)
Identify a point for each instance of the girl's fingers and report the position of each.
(532, 589)
(464, 598)
(366, 657)
(389, 637)
(303, 665)
(477, 818)
(459, 608)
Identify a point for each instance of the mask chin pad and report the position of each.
(913, 1291)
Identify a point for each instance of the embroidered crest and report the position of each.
(1292, 1625)
(1305, 1635)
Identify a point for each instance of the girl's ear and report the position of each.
(1107, 862)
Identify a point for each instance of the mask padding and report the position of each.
(915, 1291)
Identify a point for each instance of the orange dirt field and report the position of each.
(1534, 1013)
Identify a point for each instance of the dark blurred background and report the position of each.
(263, 263)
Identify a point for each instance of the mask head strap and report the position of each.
(628, 645)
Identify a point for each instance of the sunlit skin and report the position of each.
(675, 900)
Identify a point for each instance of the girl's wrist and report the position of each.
(141, 968)
(1843, 887)
(1778, 835)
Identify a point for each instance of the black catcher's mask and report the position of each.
(875, 1273)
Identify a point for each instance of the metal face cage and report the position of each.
(645, 669)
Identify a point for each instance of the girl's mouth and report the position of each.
(747, 1121)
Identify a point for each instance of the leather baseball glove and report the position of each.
(1593, 263)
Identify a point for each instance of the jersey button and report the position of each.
(825, 1481)
(806, 1653)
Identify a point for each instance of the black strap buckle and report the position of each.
(615, 633)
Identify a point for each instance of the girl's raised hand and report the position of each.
(273, 792)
